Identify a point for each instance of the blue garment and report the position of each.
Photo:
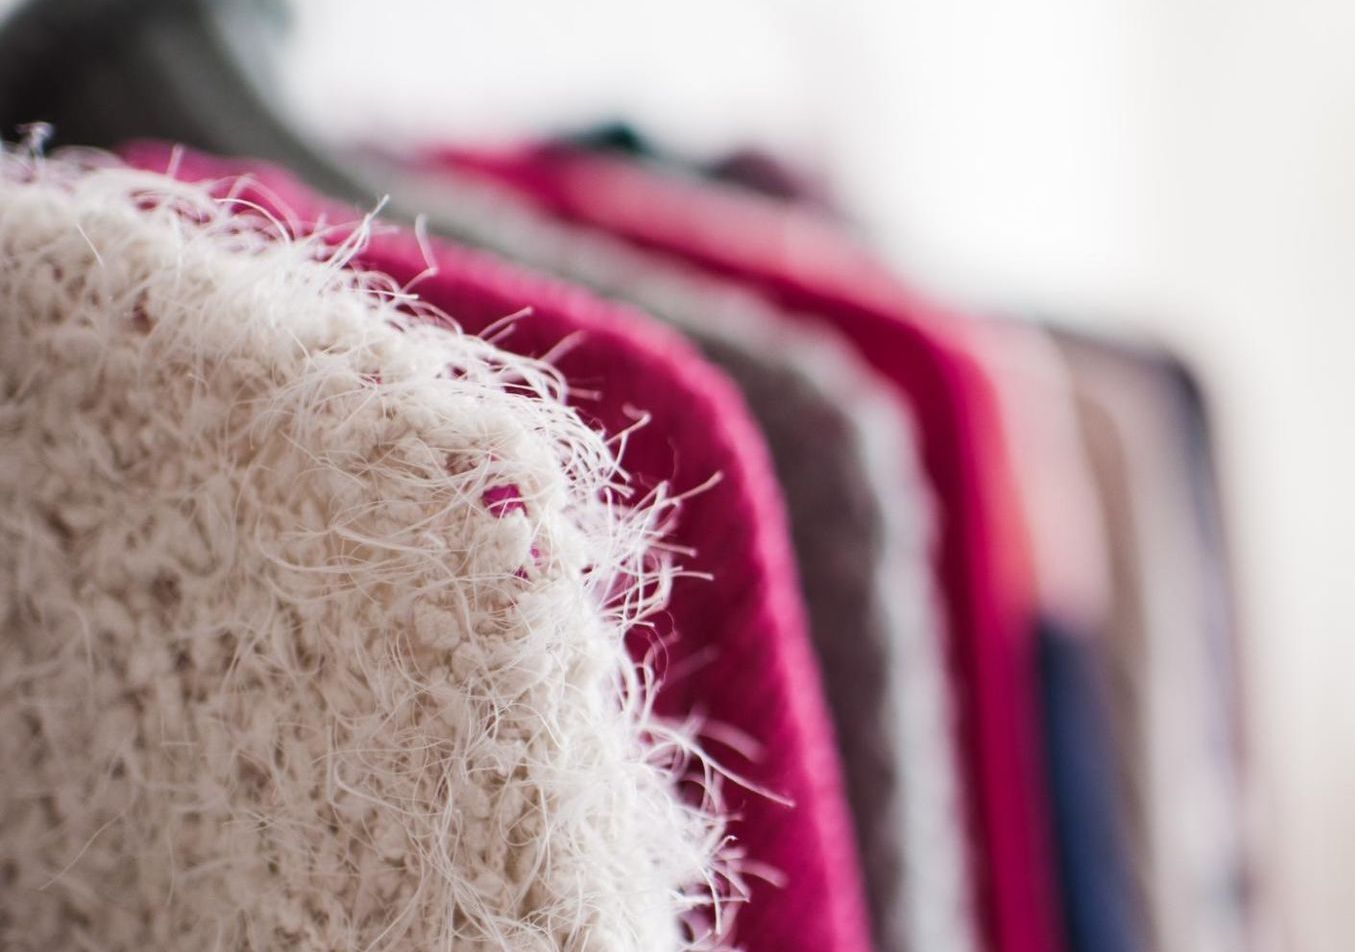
(1101, 910)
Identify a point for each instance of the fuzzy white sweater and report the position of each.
(283, 663)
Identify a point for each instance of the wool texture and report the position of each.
(807, 266)
(313, 608)
(733, 644)
(863, 525)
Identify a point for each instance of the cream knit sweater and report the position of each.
(283, 661)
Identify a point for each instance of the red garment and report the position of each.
(737, 647)
(804, 265)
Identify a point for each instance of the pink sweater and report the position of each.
(805, 265)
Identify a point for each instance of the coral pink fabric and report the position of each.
(805, 265)
(738, 653)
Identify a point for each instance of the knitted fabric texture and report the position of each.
(313, 608)
(732, 646)
(807, 266)
(862, 521)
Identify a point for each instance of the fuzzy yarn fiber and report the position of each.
(862, 524)
(732, 650)
(808, 267)
(313, 608)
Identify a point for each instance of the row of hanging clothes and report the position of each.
(751, 600)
